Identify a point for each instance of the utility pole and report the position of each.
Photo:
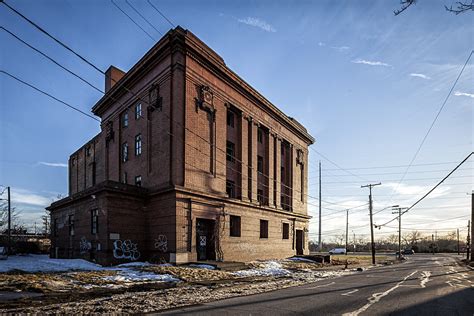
(458, 240)
(347, 228)
(472, 226)
(354, 241)
(319, 236)
(9, 222)
(432, 243)
(371, 220)
(396, 207)
(468, 245)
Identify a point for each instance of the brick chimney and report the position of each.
(112, 76)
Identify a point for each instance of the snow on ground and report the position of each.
(267, 268)
(301, 259)
(129, 275)
(42, 263)
(202, 266)
(134, 265)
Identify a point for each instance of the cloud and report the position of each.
(417, 190)
(53, 164)
(371, 63)
(22, 196)
(341, 49)
(463, 94)
(420, 76)
(321, 44)
(256, 22)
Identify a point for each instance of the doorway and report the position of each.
(299, 242)
(205, 241)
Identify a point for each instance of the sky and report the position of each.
(365, 83)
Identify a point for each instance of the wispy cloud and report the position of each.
(22, 196)
(321, 44)
(463, 94)
(256, 22)
(341, 49)
(371, 63)
(53, 164)
(420, 76)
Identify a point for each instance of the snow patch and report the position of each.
(134, 264)
(301, 259)
(129, 276)
(269, 268)
(42, 263)
(202, 266)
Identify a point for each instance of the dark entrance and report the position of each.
(205, 241)
(299, 242)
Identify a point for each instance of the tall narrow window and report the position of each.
(285, 231)
(55, 227)
(124, 152)
(71, 225)
(230, 118)
(260, 135)
(138, 181)
(125, 119)
(138, 111)
(230, 151)
(125, 177)
(263, 228)
(260, 197)
(260, 164)
(235, 226)
(230, 188)
(138, 145)
(94, 221)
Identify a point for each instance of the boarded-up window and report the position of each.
(235, 226)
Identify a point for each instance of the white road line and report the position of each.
(318, 286)
(349, 293)
(377, 297)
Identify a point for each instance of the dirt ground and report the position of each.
(109, 292)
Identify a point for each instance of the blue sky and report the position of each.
(365, 83)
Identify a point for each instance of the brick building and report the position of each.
(191, 164)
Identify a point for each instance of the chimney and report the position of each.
(112, 76)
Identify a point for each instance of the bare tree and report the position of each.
(15, 216)
(459, 7)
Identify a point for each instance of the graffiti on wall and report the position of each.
(126, 250)
(161, 243)
(84, 245)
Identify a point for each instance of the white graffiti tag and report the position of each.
(84, 245)
(161, 243)
(126, 250)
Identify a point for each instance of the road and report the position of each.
(422, 285)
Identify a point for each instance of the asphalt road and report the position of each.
(422, 285)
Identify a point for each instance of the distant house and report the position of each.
(192, 163)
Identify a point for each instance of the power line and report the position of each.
(128, 16)
(335, 164)
(434, 121)
(162, 14)
(398, 166)
(52, 37)
(431, 190)
(146, 20)
(390, 173)
(49, 95)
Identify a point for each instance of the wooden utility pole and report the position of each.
(371, 220)
(347, 228)
(399, 229)
(9, 222)
(468, 245)
(319, 234)
(458, 239)
(472, 224)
